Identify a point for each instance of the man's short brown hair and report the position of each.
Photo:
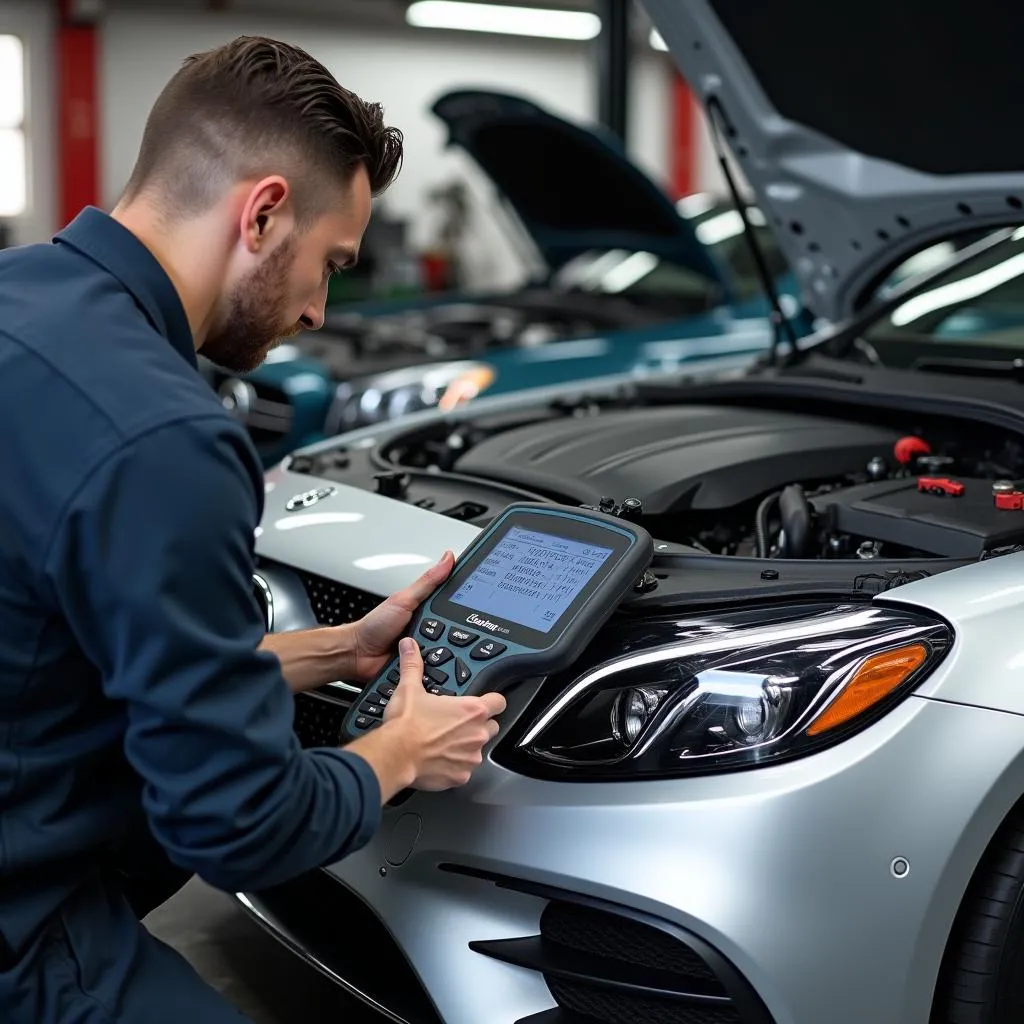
(259, 106)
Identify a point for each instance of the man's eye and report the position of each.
(332, 269)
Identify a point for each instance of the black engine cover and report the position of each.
(678, 458)
(896, 512)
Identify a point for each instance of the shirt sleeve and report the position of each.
(152, 566)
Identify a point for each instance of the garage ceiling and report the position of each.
(381, 10)
(383, 13)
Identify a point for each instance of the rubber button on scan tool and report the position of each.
(488, 649)
(462, 673)
(362, 722)
(438, 656)
(461, 638)
(373, 710)
(432, 629)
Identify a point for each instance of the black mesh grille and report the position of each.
(333, 603)
(318, 722)
(601, 1006)
(600, 933)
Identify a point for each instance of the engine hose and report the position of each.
(795, 513)
(761, 525)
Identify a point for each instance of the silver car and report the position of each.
(785, 784)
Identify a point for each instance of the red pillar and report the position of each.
(78, 127)
(685, 135)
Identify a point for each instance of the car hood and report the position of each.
(866, 132)
(572, 188)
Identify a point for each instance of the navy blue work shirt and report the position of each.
(130, 678)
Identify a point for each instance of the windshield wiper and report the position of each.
(780, 323)
(1000, 369)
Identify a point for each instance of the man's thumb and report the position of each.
(410, 663)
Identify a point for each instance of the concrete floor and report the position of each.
(235, 955)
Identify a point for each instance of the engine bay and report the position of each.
(718, 479)
(353, 343)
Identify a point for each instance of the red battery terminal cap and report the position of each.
(1005, 495)
(907, 449)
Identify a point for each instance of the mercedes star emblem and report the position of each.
(308, 498)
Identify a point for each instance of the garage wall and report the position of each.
(402, 69)
(33, 22)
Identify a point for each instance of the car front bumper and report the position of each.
(771, 893)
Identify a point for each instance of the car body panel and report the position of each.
(856, 179)
(982, 603)
(340, 535)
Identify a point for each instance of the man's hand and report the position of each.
(357, 651)
(375, 634)
(427, 741)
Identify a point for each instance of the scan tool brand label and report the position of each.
(494, 627)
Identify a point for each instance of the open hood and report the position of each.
(866, 130)
(573, 188)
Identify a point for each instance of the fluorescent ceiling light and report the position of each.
(515, 21)
(629, 271)
(726, 225)
(720, 228)
(658, 41)
(695, 204)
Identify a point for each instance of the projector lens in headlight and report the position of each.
(631, 711)
(734, 698)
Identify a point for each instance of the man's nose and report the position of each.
(313, 317)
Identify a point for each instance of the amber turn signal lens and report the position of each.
(876, 678)
(466, 387)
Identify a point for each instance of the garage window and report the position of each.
(13, 151)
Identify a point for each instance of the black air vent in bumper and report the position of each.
(605, 964)
(319, 717)
(334, 603)
(326, 924)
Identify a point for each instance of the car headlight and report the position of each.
(386, 396)
(731, 698)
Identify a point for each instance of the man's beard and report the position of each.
(250, 332)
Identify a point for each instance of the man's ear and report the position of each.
(265, 212)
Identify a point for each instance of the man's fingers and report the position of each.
(412, 596)
(410, 662)
(494, 702)
(435, 575)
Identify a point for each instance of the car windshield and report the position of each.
(717, 225)
(981, 301)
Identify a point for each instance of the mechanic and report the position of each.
(145, 716)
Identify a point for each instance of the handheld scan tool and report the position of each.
(522, 601)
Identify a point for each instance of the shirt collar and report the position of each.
(112, 246)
